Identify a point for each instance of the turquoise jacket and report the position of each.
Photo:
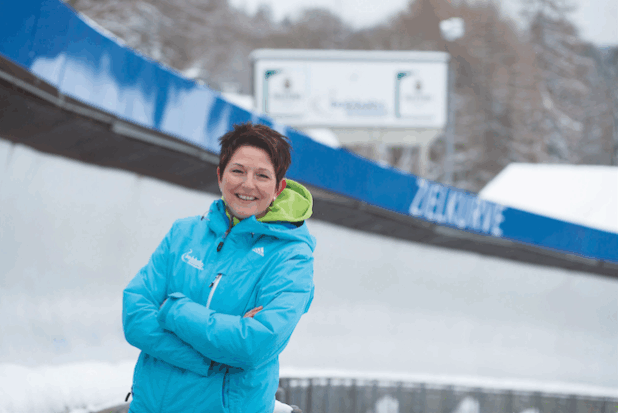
(198, 353)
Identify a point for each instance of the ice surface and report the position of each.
(72, 236)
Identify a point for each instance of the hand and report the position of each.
(253, 312)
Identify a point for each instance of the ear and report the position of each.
(219, 179)
(282, 186)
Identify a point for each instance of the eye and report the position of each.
(263, 176)
(236, 171)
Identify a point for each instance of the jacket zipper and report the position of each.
(226, 233)
(213, 286)
(215, 283)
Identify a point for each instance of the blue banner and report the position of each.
(47, 38)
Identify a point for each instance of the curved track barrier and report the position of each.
(63, 49)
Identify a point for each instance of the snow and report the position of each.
(242, 101)
(76, 387)
(487, 383)
(469, 405)
(91, 386)
(582, 194)
(73, 235)
(324, 136)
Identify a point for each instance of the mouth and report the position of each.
(245, 197)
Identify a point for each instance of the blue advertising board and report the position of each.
(59, 46)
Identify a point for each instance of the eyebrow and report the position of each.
(258, 169)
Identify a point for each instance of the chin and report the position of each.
(243, 214)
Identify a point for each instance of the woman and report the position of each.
(221, 295)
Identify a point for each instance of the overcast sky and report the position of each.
(596, 19)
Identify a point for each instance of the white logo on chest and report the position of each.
(192, 261)
(259, 251)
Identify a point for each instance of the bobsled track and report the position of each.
(72, 235)
(101, 150)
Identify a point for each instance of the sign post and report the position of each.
(452, 29)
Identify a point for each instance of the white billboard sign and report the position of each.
(333, 88)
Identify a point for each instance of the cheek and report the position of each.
(229, 183)
(268, 190)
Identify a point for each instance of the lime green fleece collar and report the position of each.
(294, 204)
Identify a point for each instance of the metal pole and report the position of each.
(614, 98)
(450, 125)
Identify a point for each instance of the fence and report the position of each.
(363, 396)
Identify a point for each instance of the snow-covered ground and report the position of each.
(72, 236)
(92, 386)
(76, 387)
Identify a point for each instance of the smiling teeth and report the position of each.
(246, 198)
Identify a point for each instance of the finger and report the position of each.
(253, 312)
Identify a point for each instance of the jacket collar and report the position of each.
(219, 224)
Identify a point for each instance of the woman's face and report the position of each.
(249, 183)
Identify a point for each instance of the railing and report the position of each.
(364, 396)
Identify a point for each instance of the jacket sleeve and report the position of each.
(247, 343)
(141, 301)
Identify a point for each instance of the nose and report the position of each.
(249, 181)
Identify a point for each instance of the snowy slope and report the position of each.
(582, 194)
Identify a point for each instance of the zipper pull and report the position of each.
(213, 287)
(216, 280)
(126, 399)
(225, 235)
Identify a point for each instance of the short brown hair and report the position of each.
(260, 136)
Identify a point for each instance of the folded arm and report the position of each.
(141, 301)
(246, 342)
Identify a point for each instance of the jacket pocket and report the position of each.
(225, 390)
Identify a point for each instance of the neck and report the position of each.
(231, 215)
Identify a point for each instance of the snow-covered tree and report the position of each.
(609, 68)
(563, 78)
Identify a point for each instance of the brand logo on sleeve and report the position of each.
(192, 261)
(259, 251)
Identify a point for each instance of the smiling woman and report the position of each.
(220, 297)
(249, 183)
